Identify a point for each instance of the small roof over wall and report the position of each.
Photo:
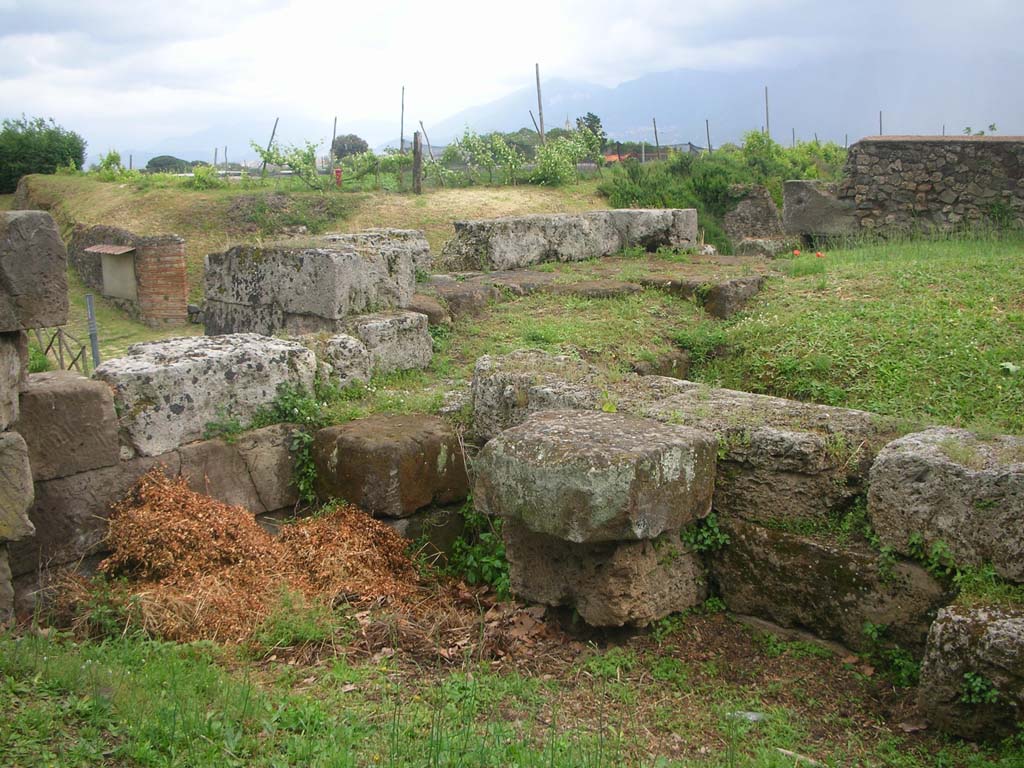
(110, 250)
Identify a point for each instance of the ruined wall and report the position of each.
(159, 271)
(910, 183)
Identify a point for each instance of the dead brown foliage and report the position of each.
(196, 568)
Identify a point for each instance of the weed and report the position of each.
(612, 663)
(304, 475)
(977, 689)
(897, 663)
(705, 535)
(668, 669)
(294, 621)
(37, 361)
(225, 427)
(983, 586)
(937, 559)
(478, 555)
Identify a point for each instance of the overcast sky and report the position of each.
(142, 71)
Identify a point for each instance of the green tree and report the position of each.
(167, 164)
(348, 144)
(592, 123)
(35, 145)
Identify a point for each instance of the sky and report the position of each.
(135, 74)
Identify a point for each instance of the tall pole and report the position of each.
(880, 123)
(401, 129)
(657, 144)
(767, 120)
(334, 135)
(707, 127)
(540, 107)
(417, 163)
(794, 137)
(263, 170)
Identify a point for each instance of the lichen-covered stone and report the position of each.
(395, 341)
(830, 589)
(781, 460)
(11, 376)
(33, 272)
(813, 207)
(391, 465)
(589, 477)
(395, 245)
(16, 490)
(754, 215)
(466, 298)
(69, 424)
(724, 299)
(508, 388)
(984, 645)
(432, 308)
(948, 485)
(166, 392)
(307, 289)
(521, 241)
(341, 359)
(610, 584)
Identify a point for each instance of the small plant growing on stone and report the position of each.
(977, 689)
(225, 427)
(705, 535)
(936, 559)
(304, 468)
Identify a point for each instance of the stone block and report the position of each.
(984, 644)
(306, 289)
(517, 242)
(827, 588)
(270, 463)
(435, 530)
(391, 466)
(431, 307)
(12, 372)
(590, 477)
(33, 272)
(69, 424)
(726, 298)
(949, 485)
(466, 298)
(6, 588)
(815, 208)
(754, 215)
(610, 584)
(341, 359)
(395, 245)
(16, 490)
(70, 514)
(396, 341)
(781, 461)
(166, 392)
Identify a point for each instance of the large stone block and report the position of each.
(396, 341)
(341, 359)
(166, 392)
(69, 424)
(508, 388)
(33, 278)
(70, 514)
(6, 588)
(755, 215)
(983, 646)
(948, 485)
(11, 376)
(814, 208)
(16, 490)
(395, 245)
(589, 477)
(517, 242)
(610, 584)
(307, 289)
(827, 588)
(780, 460)
(391, 466)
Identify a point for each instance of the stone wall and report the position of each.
(911, 183)
(160, 272)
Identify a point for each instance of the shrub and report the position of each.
(348, 144)
(35, 145)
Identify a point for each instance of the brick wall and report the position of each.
(163, 283)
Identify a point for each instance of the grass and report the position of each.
(914, 329)
(138, 702)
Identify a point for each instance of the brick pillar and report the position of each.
(162, 281)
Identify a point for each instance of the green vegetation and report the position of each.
(478, 556)
(709, 182)
(978, 689)
(35, 145)
(705, 535)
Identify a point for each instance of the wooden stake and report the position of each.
(767, 119)
(880, 123)
(129, 162)
(535, 126)
(417, 163)
(401, 129)
(263, 170)
(707, 127)
(225, 159)
(334, 135)
(657, 144)
(540, 107)
(215, 158)
(794, 137)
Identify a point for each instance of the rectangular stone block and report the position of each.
(948, 485)
(396, 341)
(11, 375)
(69, 424)
(166, 392)
(33, 264)
(515, 242)
(610, 584)
(829, 589)
(304, 290)
(16, 491)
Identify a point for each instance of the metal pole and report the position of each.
(94, 338)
